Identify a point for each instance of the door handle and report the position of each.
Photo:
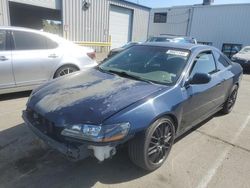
(3, 58)
(52, 56)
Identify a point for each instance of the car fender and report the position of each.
(144, 112)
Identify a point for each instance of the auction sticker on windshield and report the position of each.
(176, 52)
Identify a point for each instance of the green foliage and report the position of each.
(51, 26)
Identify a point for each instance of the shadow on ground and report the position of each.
(26, 162)
(10, 96)
(31, 165)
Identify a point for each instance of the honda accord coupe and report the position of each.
(143, 98)
(29, 58)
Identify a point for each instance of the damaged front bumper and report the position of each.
(71, 151)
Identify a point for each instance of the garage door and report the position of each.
(120, 20)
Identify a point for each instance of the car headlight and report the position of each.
(97, 133)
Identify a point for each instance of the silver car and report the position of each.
(29, 58)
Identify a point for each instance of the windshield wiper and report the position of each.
(103, 70)
(126, 75)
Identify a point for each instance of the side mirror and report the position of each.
(199, 78)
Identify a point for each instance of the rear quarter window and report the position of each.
(51, 44)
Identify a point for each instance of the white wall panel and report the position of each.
(177, 21)
(222, 24)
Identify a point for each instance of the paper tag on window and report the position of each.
(176, 52)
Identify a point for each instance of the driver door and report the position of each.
(202, 99)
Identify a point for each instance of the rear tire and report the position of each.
(150, 149)
(64, 70)
(230, 102)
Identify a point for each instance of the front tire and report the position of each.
(150, 149)
(230, 102)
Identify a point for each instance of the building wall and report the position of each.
(177, 21)
(221, 24)
(93, 24)
(4, 12)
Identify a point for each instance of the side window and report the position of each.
(2, 40)
(221, 61)
(203, 63)
(51, 44)
(28, 41)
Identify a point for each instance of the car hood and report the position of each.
(88, 97)
(245, 56)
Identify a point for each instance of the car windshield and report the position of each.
(148, 63)
(245, 50)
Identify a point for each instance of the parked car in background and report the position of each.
(29, 58)
(118, 50)
(243, 58)
(172, 38)
(145, 96)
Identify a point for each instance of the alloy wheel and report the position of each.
(232, 99)
(160, 143)
(66, 71)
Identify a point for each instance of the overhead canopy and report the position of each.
(31, 16)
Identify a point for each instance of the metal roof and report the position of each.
(131, 3)
(201, 5)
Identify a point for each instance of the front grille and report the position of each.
(45, 126)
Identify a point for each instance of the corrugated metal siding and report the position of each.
(177, 21)
(222, 24)
(89, 25)
(52, 4)
(93, 24)
(4, 13)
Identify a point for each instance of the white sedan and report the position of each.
(29, 58)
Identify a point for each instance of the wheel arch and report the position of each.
(173, 117)
(170, 115)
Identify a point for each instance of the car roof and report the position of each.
(18, 28)
(172, 36)
(184, 46)
(50, 35)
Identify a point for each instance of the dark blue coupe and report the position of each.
(143, 98)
